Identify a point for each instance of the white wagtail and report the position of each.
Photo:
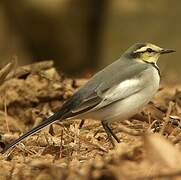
(115, 93)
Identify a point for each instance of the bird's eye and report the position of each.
(149, 50)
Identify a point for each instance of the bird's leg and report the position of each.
(81, 123)
(113, 134)
(110, 132)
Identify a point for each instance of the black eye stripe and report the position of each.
(136, 54)
(150, 50)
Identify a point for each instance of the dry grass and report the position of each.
(150, 142)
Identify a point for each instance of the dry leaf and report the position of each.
(160, 150)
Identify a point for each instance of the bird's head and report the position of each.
(146, 52)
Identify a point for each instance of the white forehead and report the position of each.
(152, 46)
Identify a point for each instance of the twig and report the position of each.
(23, 148)
(61, 144)
(81, 123)
(167, 117)
(95, 145)
(129, 131)
(151, 125)
(5, 112)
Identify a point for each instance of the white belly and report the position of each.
(129, 106)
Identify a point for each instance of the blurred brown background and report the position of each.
(84, 35)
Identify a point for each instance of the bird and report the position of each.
(117, 92)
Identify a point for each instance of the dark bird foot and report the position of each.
(110, 133)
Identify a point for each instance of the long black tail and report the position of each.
(57, 116)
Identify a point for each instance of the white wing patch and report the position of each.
(120, 91)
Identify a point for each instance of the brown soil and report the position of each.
(150, 145)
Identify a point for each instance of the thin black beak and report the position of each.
(165, 51)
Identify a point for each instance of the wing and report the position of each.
(121, 84)
(120, 92)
